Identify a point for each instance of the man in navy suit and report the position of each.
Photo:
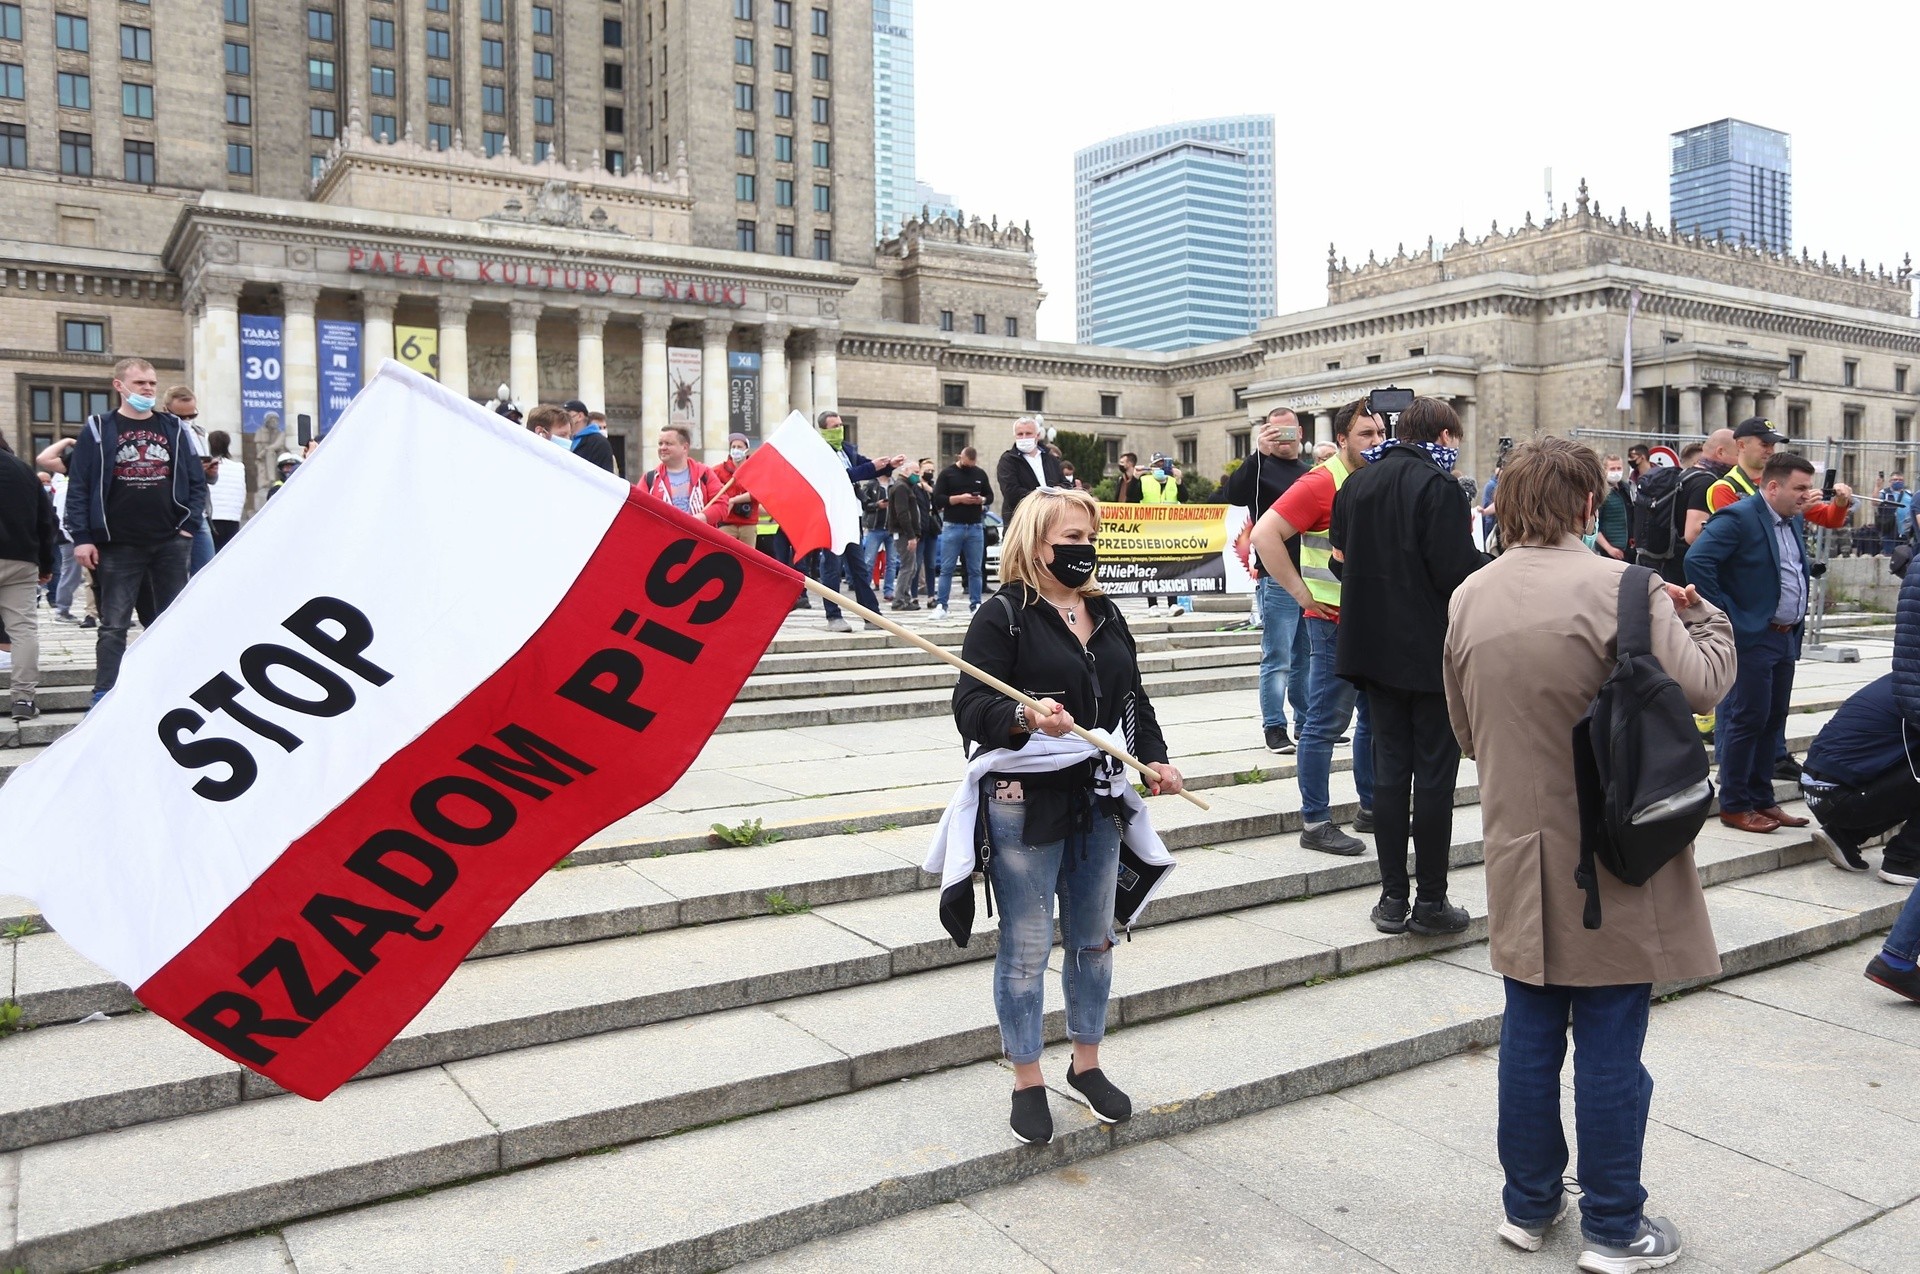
(1751, 562)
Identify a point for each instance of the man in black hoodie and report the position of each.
(1402, 548)
(135, 490)
(29, 543)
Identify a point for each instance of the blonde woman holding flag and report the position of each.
(1043, 812)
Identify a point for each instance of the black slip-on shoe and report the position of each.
(1032, 1121)
(1440, 917)
(1108, 1104)
(1389, 915)
(1899, 981)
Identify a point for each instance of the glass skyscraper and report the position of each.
(1174, 235)
(893, 163)
(1733, 179)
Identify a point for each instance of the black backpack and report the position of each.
(1639, 766)
(1662, 513)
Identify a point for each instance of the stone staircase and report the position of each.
(674, 1054)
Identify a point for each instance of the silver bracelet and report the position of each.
(1020, 719)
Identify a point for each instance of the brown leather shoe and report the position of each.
(1749, 821)
(1783, 818)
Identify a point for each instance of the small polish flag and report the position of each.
(803, 484)
(315, 787)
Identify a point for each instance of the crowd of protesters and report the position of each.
(1404, 609)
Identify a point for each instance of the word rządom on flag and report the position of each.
(445, 654)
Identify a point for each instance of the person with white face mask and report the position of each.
(135, 492)
(1025, 467)
(736, 512)
(1613, 534)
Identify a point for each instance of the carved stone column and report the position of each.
(1763, 406)
(1742, 405)
(300, 357)
(826, 368)
(1690, 409)
(800, 378)
(376, 313)
(590, 381)
(217, 351)
(654, 392)
(714, 334)
(1714, 409)
(523, 353)
(773, 377)
(453, 343)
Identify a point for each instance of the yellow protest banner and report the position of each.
(1173, 549)
(418, 348)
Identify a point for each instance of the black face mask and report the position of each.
(1072, 564)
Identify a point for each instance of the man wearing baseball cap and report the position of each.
(1754, 441)
(589, 436)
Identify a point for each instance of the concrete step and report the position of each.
(838, 1139)
(73, 1078)
(55, 984)
(939, 677)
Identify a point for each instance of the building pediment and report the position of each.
(1730, 367)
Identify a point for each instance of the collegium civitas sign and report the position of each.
(562, 277)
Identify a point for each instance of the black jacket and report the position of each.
(29, 531)
(90, 468)
(907, 509)
(1403, 530)
(1031, 648)
(962, 480)
(594, 448)
(1016, 478)
(1258, 482)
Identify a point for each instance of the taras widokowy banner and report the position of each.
(1168, 550)
(263, 398)
(315, 787)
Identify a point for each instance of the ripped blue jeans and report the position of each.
(1082, 870)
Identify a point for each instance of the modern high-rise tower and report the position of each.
(893, 162)
(1734, 180)
(1174, 234)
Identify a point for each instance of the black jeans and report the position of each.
(1413, 750)
(1854, 814)
(123, 569)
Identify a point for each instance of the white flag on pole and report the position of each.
(1626, 356)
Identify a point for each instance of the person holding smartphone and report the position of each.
(1261, 479)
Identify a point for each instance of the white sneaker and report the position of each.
(1531, 1238)
(1655, 1247)
(937, 613)
(1176, 610)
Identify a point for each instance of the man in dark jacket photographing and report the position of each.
(1404, 545)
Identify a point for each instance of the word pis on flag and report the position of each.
(444, 655)
(803, 484)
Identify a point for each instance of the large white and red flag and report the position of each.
(803, 482)
(443, 656)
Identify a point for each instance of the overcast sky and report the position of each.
(1397, 121)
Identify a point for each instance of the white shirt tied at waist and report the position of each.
(951, 856)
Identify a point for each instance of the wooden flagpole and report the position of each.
(912, 638)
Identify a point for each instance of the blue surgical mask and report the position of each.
(140, 402)
(737, 454)
(559, 441)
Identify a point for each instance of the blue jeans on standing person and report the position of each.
(1904, 938)
(1751, 719)
(1083, 870)
(123, 568)
(1331, 701)
(968, 540)
(1611, 1094)
(67, 583)
(853, 564)
(929, 563)
(202, 551)
(1285, 654)
(871, 543)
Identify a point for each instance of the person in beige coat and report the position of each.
(1530, 640)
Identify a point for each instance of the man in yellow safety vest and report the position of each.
(1306, 509)
(1160, 484)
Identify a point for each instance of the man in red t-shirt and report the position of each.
(1306, 509)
